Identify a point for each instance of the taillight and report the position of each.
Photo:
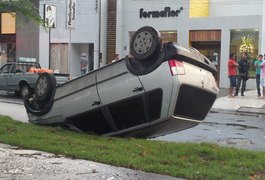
(176, 67)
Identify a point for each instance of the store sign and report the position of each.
(167, 12)
(49, 16)
(8, 25)
(26, 59)
(70, 16)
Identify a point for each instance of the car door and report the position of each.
(14, 77)
(4, 73)
(80, 105)
(79, 96)
(122, 95)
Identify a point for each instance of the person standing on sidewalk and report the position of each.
(262, 77)
(232, 66)
(243, 67)
(257, 64)
(83, 63)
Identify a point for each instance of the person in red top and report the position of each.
(232, 66)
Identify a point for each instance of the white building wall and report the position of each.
(263, 29)
(103, 30)
(219, 8)
(86, 31)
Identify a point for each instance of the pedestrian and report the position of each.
(117, 57)
(242, 76)
(262, 77)
(257, 64)
(232, 66)
(83, 63)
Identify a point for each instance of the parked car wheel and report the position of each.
(44, 86)
(24, 90)
(145, 43)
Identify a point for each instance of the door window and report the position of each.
(128, 113)
(5, 69)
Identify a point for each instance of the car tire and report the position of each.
(44, 87)
(139, 68)
(145, 43)
(38, 108)
(25, 90)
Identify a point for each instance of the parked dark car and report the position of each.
(16, 76)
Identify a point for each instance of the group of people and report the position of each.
(238, 72)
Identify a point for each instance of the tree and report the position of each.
(24, 7)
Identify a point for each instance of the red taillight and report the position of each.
(176, 67)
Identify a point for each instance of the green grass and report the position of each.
(183, 160)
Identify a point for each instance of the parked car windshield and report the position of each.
(5, 68)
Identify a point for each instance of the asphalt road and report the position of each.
(226, 128)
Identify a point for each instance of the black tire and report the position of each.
(44, 86)
(140, 68)
(38, 108)
(145, 43)
(25, 90)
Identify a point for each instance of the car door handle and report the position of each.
(96, 103)
(137, 89)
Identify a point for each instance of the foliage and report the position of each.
(183, 160)
(26, 7)
(247, 44)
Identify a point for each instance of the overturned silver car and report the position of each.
(155, 91)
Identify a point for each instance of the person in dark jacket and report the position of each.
(243, 67)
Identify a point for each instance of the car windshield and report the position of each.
(5, 69)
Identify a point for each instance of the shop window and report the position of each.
(245, 40)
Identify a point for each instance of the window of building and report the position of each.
(245, 40)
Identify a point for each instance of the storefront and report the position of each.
(7, 38)
(74, 31)
(211, 27)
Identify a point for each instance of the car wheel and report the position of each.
(44, 86)
(145, 43)
(24, 90)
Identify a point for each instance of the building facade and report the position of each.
(75, 32)
(18, 37)
(103, 28)
(214, 27)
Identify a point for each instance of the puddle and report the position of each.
(240, 134)
(240, 126)
(236, 141)
(240, 120)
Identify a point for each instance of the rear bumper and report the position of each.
(193, 102)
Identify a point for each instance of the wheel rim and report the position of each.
(41, 86)
(24, 91)
(143, 42)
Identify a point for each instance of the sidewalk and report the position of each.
(249, 100)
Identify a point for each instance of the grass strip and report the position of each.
(183, 160)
